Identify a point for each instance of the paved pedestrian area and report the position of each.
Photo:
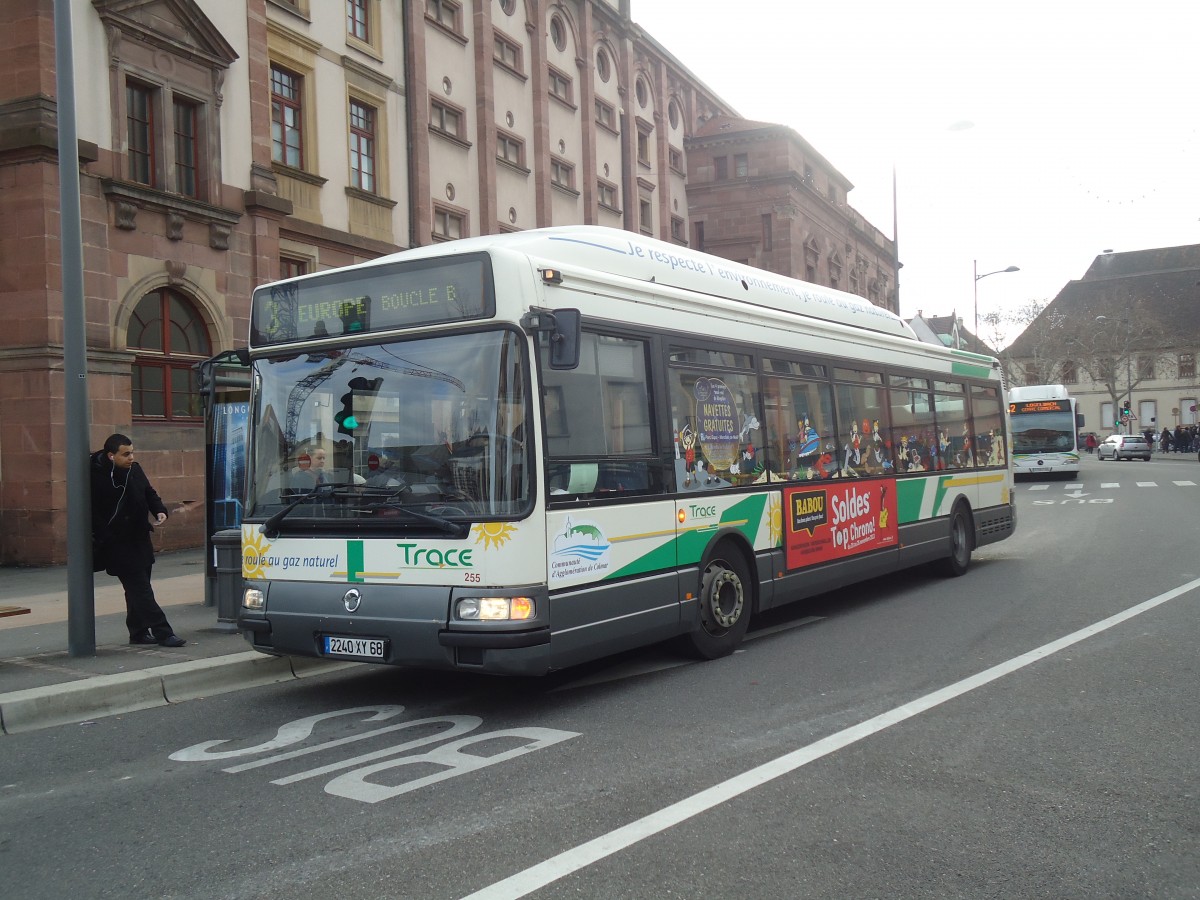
(41, 684)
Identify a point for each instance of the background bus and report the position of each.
(1045, 430)
(515, 453)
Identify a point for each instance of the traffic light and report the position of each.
(1125, 407)
(346, 421)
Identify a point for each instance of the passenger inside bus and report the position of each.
(310, 469)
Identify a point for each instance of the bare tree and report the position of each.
(1119, 351)
(1000, 328)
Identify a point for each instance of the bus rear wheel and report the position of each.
(725, 601)
(959, 560)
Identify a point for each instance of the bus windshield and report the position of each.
(404, 433)
(1043, 432)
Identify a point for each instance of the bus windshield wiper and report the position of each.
(270, 528)
(455, 529)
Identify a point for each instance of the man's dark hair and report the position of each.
(116, 441)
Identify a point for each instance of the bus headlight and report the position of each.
(494, 609)
(253, 598)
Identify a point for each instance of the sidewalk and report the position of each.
(42, 685)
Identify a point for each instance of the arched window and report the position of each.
(169, 337)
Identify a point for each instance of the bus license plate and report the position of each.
(363, 648)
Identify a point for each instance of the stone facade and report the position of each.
(760, 194)
(478, 116)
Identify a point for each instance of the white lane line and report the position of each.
(1039, 487)
(570, 861)
(1184, 483)
(1147, 484)
(1107, 484)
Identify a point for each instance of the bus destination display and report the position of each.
(400, 295)
(1039, 406)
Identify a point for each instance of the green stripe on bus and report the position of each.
(749, 512)
(688, 547)
(660, 558)
(745, 516)
(962, 368)
(909, 494)
(970, 355)
(354, 561)
(943, 484)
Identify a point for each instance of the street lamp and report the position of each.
(1103, 320)
(977, 277)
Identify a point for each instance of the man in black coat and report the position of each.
(122, 503)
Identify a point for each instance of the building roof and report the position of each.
(722, 126)
(1160, 288)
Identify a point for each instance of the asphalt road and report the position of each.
(996, 735)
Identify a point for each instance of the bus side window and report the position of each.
(582, 478)
(597, 419)
(863, 437)
(956, 448)
(988, 415)
(800, 437)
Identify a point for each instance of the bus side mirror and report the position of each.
(564, 340)
(563, 327)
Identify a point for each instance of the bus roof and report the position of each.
(1028, 392)
(624, 254)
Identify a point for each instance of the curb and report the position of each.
(109, 695)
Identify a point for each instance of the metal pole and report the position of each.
(977, 277)
(81, 607)
(975, 263)
(896, 239)
(1129, 382)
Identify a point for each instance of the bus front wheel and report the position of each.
(725, 601)
(959, 559)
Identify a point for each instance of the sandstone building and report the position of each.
(226, 143)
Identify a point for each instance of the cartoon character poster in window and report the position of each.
(832, 522)
(709, 441)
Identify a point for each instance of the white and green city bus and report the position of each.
(514, 453)
(1044, 422)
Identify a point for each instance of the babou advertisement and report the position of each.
(835, 521)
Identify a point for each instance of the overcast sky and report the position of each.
(1034, 133)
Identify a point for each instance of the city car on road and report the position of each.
(1124, 446)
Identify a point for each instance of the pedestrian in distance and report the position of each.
(123, 502)
(1090, 442)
